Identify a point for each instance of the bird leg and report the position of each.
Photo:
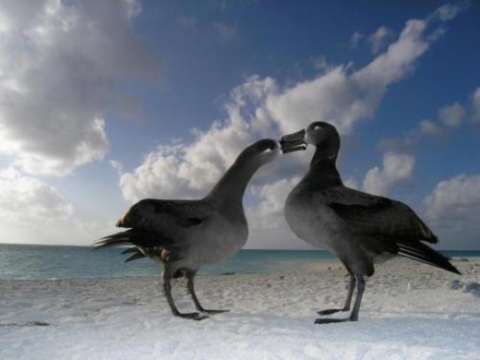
(356, 307)
(167, 287)
(358, 300)
(346, 307)
(191, 289)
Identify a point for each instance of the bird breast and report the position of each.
(312, 221)
(217, 240)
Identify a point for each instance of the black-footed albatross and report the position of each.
(183, 235)
(358, 227)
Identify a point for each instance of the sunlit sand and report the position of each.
(410, 310)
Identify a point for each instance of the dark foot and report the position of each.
(213, 312)
(330, 321)
(192, 316)
(330, 311)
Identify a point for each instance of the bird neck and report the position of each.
(323, 170)
(231, 187)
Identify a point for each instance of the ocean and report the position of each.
(40, 262)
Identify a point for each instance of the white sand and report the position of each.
(410, 311)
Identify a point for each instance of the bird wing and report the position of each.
(157, 227)
(166, 217)
(377, 216)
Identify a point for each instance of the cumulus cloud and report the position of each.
(452, 115)
(24, 199)
(186, 171)
(476, 105)
(34, 212)
(344, 97)
(397, 168)
(453, 207)
(59, 66)
(262, 107)
(266, 219)
(269, 213)
(380, 38)
(458, 195)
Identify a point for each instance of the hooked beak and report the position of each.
(293, 142)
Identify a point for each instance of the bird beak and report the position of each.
(293, 142)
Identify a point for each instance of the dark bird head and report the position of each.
(322, 135)
(261, 152)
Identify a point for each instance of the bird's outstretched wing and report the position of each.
(371, 215)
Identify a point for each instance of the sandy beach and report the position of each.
(409, 311)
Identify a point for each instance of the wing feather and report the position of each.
(367, 214)
(166, 217)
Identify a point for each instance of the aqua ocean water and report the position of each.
(32, 262)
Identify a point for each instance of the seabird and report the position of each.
(359, 228)
(183, 235)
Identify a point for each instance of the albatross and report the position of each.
(183, 235)
(359, 228)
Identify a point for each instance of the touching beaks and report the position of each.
(293, 142)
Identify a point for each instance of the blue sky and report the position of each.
(105, 103)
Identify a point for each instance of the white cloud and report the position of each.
(397, 168)
(60, 61)
(351, 183)
(268, 227)
(380, 38)
(397, 61)
(34, 212)
(24, 199)
(476, 105)
(452, 115)
(344, 97)
(268, 214)
(260, 107)
(458, 195)
(453, 208)
(191, 170)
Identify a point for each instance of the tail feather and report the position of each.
(137, 255)
(132, 237)
(118, 239)
(130, 250)
(421, 252)
(143, 243)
